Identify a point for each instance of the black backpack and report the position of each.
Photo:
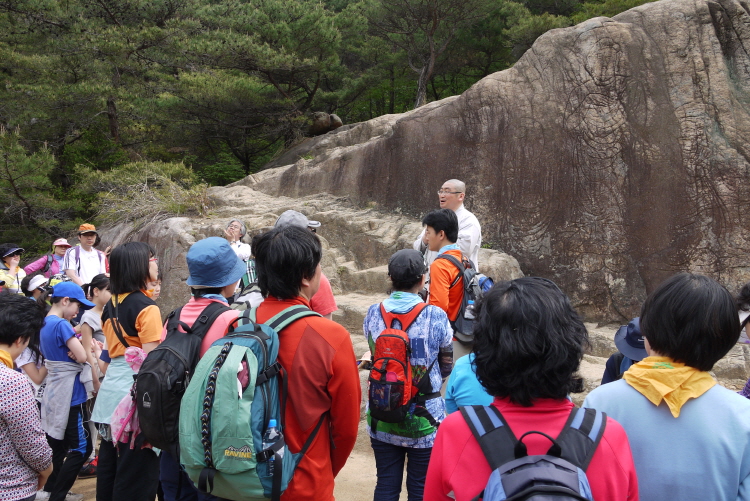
(165, 375)
(463, 325)
(559, 474)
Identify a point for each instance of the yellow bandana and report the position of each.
(6, 359)
(661, 378)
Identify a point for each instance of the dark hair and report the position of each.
(25, 286)
(283, 257)
(443, 220)
(528, 341)
(197, 293)
(19, 318)
(743, 298)
(43, 300)
(691, 319)
(128, 267)
(57, 299)
(405, 284)
(101, 282)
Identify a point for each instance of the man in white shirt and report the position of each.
(452, 195)
(83, 262)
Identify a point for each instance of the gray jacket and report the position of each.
(58, 393)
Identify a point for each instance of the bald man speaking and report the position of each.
(452, 195)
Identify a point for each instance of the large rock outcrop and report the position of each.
(612, 155)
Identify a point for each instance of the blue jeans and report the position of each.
(389, 461)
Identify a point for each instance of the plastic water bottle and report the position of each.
(469, 313)
(270, 437)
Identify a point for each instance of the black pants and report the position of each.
(69, 454)
(125, 474)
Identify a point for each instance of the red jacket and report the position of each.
(457, 464)
(318, 357)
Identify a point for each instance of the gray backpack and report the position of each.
(557, 475)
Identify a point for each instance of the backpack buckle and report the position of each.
(270, 371)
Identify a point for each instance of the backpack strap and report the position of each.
(48, 264)
(492, 432)
(625, 364)
(457, 264)
(406, 319)
(202, 323)
(284, 318)
(581, 435)
(114, 320)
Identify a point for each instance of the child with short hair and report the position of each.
(64, 412)
(25, 456)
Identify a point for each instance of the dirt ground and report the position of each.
(356, 482)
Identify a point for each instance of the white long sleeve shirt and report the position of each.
(469, 237)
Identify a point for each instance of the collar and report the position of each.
(289, 302)
(401, 302)
(448, 247)
(662, 379)
(6, 359)
(216, 297)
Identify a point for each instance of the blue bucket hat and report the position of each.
(73, 291)
(629, 340)
(212, 263)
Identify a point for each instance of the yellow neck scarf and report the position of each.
(661, 378)
(6, 359)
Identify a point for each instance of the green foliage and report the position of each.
(226, 170)
(220, 86)
(143, 192)
(32, 214)
(606, 8)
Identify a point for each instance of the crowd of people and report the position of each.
(78, 326)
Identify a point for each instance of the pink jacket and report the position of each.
(458, 466)
(54, 267)
(218, 329)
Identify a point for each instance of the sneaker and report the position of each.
(73, 497)
(42, 495)
(88, 470)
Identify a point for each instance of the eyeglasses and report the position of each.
(446, 192)
(14, 254)
(235, 227)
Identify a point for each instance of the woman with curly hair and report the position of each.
(529, 342)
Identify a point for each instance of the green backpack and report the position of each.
(222, 424)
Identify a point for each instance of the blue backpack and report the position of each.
(557, 475)
(222, 421)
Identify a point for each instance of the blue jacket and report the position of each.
(704, 454)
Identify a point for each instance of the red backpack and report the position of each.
(391, 391)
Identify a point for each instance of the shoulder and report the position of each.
(138, 301)
(12, 381)
(435, 313)
(329, 330)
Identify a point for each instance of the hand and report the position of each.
(43, 476)
(71, 356)
(229, 234)
(107, 251)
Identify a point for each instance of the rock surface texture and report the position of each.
(612, 155)
(357, 244)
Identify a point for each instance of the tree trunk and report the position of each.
(114, 125)
(421, 88)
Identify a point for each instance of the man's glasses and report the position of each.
(446, 192)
